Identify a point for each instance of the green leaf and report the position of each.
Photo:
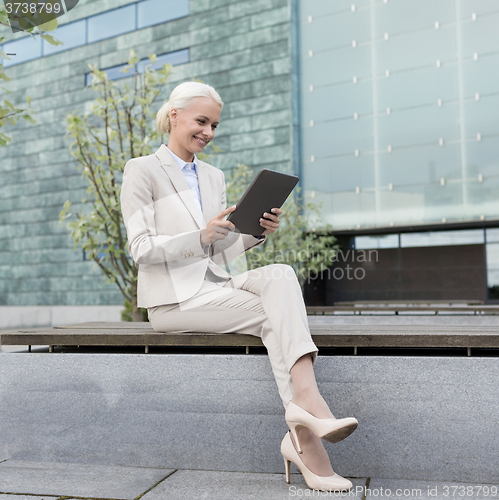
(50, 39)
(28, 118)
(4, 19)
(49, 26)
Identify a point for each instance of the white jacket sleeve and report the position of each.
(139, 207)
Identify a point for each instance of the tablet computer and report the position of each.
(269, 189)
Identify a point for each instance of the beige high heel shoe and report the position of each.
(329, 429)
(330, 483)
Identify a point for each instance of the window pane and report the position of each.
(25, 49)
(334, 66)
(492, 252)
(326, 8)
(492, 236)
(381, 241)
(478, 6)
(473, 38)
(442, 238)
(319, 176)
(420, 87)
(347, 210)
(173, 58)
(116, 72)
(351, 26)
(72, 35)
(410, 50)
(482, 75)
(152, 12)
(337, 102)
(407, 15)
(482, 116)
(423, 165)
(428, 125)
(112, 23)
(342, 137)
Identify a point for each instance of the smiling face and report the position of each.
(193, 128)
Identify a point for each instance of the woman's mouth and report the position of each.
(201, 141)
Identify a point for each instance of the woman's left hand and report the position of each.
(270, 225)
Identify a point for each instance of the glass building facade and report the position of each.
(399, 102)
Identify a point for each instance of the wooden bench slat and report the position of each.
(401, 308)
(98, 334)
(418, 301)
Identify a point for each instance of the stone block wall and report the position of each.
(242, 48)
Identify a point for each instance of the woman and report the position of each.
(174, 208)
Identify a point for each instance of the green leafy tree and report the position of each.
(120, 126)
(8, 112)
(308, 251)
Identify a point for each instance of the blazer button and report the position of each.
(183, 256)
(191, 254)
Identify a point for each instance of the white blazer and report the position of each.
(163, 228)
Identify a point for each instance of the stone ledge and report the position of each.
(420, 417)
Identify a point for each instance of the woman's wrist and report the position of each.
(204, 237)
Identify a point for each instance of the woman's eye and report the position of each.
(201, 122)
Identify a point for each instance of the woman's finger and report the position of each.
(273, 217)
(225, 212)
(268, 224)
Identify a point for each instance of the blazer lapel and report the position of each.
(180, 184)
(206, 189)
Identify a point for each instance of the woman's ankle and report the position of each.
(314, 404)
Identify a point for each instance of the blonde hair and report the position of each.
(181, 98)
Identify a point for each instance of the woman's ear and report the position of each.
(173, 116)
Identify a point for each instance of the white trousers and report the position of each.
(266, 302)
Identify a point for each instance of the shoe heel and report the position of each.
(294, 428)
(287, 463)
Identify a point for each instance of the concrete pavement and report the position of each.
(23, 480)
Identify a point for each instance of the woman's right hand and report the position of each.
(217, 228)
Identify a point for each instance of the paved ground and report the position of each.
(57, 481)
